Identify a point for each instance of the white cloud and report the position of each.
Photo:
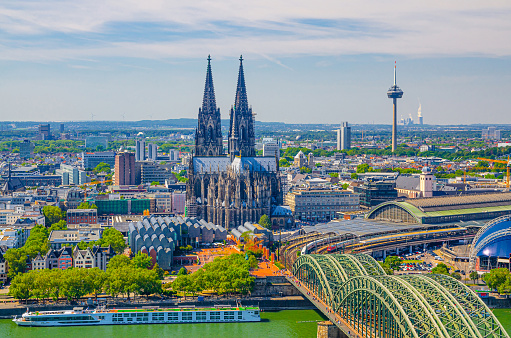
(57, 30)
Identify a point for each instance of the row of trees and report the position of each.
(498, 279)
(225, 275)
(123, 276)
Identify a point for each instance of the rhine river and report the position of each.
(287, 323)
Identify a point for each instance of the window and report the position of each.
(173, 316)
(228, 315)
(214, 315)
(200, 316)
(186, 316)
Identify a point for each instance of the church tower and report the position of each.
(208, 135)
(241, 130)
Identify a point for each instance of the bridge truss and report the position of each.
(374, 304)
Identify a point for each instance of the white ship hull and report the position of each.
(134, 317)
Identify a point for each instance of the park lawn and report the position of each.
(504, 317)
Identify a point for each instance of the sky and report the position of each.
(323, 61)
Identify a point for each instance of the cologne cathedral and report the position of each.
(234, 188)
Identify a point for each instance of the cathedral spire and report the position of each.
(208, 136)
(209, 101)
(241, 133)
(241, 101)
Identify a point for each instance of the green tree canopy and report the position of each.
(102, 168)
(52, 214)
(114, 238)
(142, 261)
(87, 205)
(394, 262)
(441, 268)
(496, 278)
(265, 222)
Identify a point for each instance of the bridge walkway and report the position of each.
(324, 308)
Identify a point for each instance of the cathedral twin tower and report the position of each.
(208, 137)
(229, 190)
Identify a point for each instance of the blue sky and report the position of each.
(306, 61)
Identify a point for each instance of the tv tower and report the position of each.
(394, 93)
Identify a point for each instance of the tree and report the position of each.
(264, 221)
(142, 261)
(334, 174)
(155, 183)
(17, 262)
(345, 186)
(284, 163)
(95, 281)
(441, 269)
(52, 214)
(114, 238)
(388, 270)
(87, 205)
(60, 225)
(394, 262)
(305, 170)
(474, 276)
(159, 271)
(496, 278)
(456, 275)
(118, 261)
(21, 286)
(102, 168)
(354, 176)
(505, 288)
(363, 168)
(182, 272)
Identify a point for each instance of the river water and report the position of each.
(287, 323)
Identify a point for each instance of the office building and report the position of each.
(491, 134)
(44, 132)
(149, 172)
(373, 193)
(93, 142)
(271, 148)
(61, 128)
(26, 149)
(124, 169)
(319, 205)
(344, 137)
(91, 160)
(173, 155)
(140, 151)
(152, 152)
(71, 175)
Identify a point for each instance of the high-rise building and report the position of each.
(61, 128)
(125, 169)
(271, 148)
(344, 137)
(152, 153)
(26, 149)
(140, 150)
(91, 160)
(394, 93)
(44, 132)
(93, 142)
(491, 134)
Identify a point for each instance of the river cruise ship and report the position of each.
(101, 316)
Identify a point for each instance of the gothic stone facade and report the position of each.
(234, 189)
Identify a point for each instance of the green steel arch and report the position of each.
(376, 305)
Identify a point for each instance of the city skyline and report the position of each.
(330, 60)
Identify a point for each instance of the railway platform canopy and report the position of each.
(438, 210)
(360, 227)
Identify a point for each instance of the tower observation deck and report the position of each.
(394, 93)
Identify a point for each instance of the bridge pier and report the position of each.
(327, 329)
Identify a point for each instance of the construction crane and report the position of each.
(507, 163)
(84, 186)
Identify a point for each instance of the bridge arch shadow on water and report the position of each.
(373, 304)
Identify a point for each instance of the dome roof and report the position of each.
(426, 170)
(494, 239)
